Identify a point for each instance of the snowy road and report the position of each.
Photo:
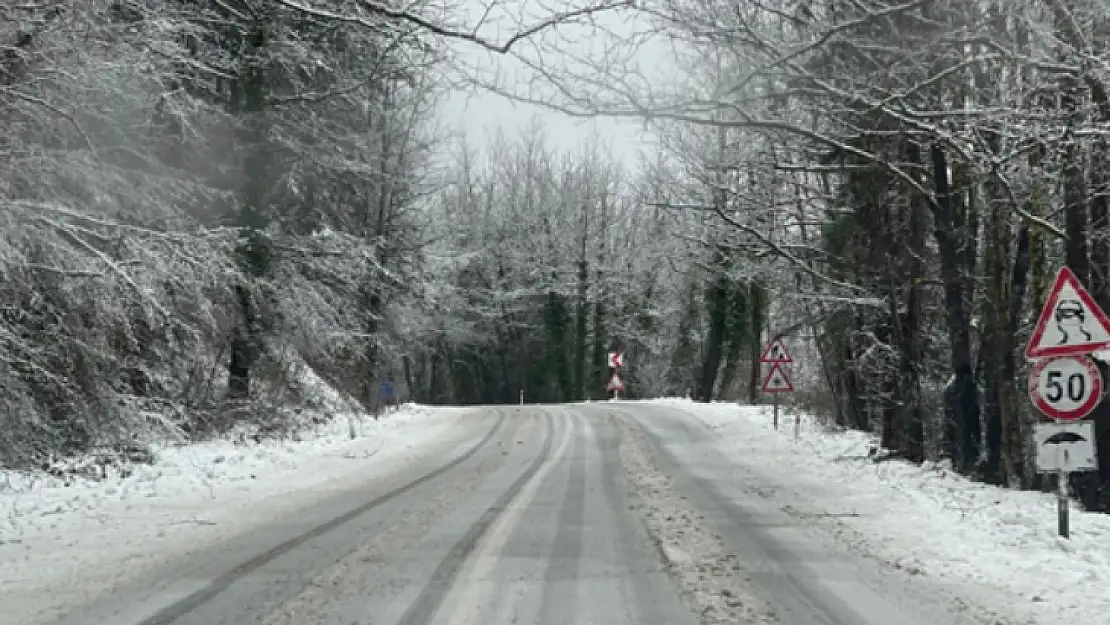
(598, 513)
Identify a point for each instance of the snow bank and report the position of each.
(926, 519)
(53, 535)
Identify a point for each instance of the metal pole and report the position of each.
(521, 397)
(797, 423)
(1062, 505)
(776, 404)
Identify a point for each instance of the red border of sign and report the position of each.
(619, 357)
(1065, 276)
(789, 385)
(767, 350)
(1053, 413)
(619, 386)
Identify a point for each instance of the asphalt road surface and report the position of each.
(603, 513)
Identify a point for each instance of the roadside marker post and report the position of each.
(1065, 384)
(616, 385)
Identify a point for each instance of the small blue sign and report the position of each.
(388, 392)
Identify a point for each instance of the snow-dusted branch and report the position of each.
(434, 27)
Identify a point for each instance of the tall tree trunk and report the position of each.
(582, 311)
(254, 251)
(966, 221)
(717, 303)
(856, 414)
(410, 386)
(736, 333)
(1014, 432)
(1100, 290)
(996, 343)
(582, 308)
(1077, 257)
(962, 396)
(891, 386)
(913, 354)
(600, 366)
(757, 301)
(243, 348)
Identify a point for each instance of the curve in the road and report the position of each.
(171, 613)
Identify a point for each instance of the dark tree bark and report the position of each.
(963, 395)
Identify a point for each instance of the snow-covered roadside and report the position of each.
(61, 546)
(925, 519)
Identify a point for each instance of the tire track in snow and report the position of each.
(169, 614)
(443, 579)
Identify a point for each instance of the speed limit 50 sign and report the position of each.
(1065, 388)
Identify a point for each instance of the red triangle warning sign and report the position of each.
(776, 352)
(615, 383)
(1070, 322)
(777, 382)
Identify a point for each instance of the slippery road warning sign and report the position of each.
(777, 382)
(776, 352)
(1070, 322)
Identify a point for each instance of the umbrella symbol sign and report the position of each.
(1065, 446)
(1063, 439)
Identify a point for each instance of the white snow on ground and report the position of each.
(61, 546)
(927, 519)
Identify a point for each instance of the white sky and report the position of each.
(482, 114)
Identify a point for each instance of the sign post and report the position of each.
(776, 355)
(776, 382)
(1064, 448)
(1065, 384)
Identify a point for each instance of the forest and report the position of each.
(201, 200)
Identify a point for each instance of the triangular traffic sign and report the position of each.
(615, 383)
(1070, 322)
(777, 382)
(776, 352)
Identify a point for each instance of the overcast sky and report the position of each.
(482, 114)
